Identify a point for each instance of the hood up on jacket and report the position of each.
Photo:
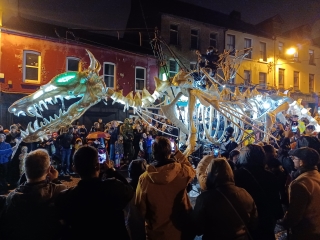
(164, 174)
(219, 173)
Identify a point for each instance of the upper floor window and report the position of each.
(193, 66)
(31, 66)
(263, 51)
(140, 78)
(109, 74)
(311, 83)
(73, 64)
(247, 47)
(295, 80)
(296, 56)
(214, 40)
(281, 48)
(247, 77)
(194, 39)
(262, 79)
(281, 78)
(231, 43)
(173, 68)
(311, 57)
(174, 36)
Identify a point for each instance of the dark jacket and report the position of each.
(29, 212)
(95, 207)
(65, 140)
(5, 152)
(214, 217)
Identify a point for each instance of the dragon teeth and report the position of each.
(50, 119)
(35, 125)
(55, 116)
(60, 112)
(46, 121)
(43, 104)
(30, 129)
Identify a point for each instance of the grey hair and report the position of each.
(36, 164)
(3, 135)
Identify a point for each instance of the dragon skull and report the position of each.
(86, 85)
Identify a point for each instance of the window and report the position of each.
(311, 57)
(173, 68)
(281, 48)
(247, 47)
(72, 64)
(213, 40)
(231, 43)
(296, 56)
(281, 78)
(311, 83)
(247, 78)
(262, 79)
(140, 78)
(193, 66)
(295, 80)
(31, 67)
(263, 51)
(174, 40)
(108, 74)
(194, 39)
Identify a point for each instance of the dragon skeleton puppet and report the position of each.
(215, 102)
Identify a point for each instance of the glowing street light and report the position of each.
(291, 51)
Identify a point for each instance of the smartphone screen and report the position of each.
(294, 128)
(172, 146)
(216, 152)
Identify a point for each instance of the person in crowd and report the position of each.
(100, 125)
(94, 206)
(161, 194)
(1, 129)
(13, 135)
(5, 154)
(83, 133)
(149, 148)
(262, 185)
(233, 159)
(29, 212)
(95, 127)
(22, 157)
(303, 215)
(134, 220)
(136, 139)
(78, 144)
(65, 142)
(233, 214)
(119, 151)
(228, 143)
(113, 131)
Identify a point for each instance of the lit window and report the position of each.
(108, 74)
(73, 64)
(263, 51)
(174, 40)
(213, 40)
(295, 80)
(173, 68)
(247, 47)
(31, 67)
(281, 78)
(140, 78)
(231, 43)
(311, 57)
(247, 78)
(263, 79)
(194, 39)
(311, 83)
(296, 56)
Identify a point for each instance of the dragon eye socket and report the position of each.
(66, 79)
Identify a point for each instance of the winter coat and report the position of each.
(213, 215)
(202, 170)
(162, 198)
(5, 152)
(303, 215)
(29, 212)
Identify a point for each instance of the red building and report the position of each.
(33, 53)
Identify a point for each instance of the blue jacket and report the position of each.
(5, 152)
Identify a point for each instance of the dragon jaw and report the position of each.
(86, 85)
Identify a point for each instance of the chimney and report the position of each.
(236, 15)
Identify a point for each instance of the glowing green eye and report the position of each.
(67, 78)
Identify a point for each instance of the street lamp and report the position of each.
(291, 51)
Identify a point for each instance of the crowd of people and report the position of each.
(245, 190)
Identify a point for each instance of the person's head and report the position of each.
(229, 131)
(79, 141)
(144, 135)
(13, 128)
(209, 49)
(70, 130)
(270, 151)
(130, 121)
(1, 128)
(24, 149)
(252, 155)
(100, 120)
(86, 163)
(234, 155)
(219, 173)
(120, 138)
(2, 137)
(294, 118)
(37, 165)
(310, 129)
(305, 157)
(135, 169)
(161, 148)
